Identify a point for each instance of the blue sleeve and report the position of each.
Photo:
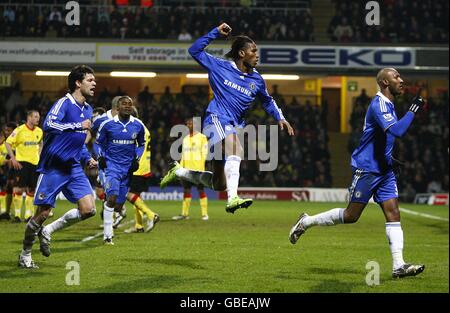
(269, 104)
(100, 140)
(197, 50)
(381, 114)
(399, 129)
(85, 155)
(140, 143)
(53, 122)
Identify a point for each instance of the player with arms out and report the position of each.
(120, 144)
(65, 128)
(235, 84)
(373, 173)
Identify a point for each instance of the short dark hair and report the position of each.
(239, 43)
(30, 112)
(99, 110)
(78, 73)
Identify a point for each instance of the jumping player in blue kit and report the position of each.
(120, 144)
(65, 128)
(373, 174)
(235, 84)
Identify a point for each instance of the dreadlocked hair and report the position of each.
(239, 43)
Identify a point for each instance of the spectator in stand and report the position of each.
(184, 35)
(343, 31)
(55, 17)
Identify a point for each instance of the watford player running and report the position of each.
(26, 140)
(194, 152)
(139, 183)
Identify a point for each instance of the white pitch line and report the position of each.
(88, 238)
(433, 217)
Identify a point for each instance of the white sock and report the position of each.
(182, 172)
(394, 234)
(231, 169)
(328, 218)
(70, 217)
(107, 221)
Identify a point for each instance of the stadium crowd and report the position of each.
(401, 21)
(422, 152)
(163, 22)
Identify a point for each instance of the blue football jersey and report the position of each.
(99, 120)
(64, 137)
(120, 142)
(234, 91)
(374, 153)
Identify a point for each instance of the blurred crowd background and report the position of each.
(401, 22)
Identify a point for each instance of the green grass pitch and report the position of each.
(245, 252)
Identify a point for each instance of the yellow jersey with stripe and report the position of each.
(194, 152)
(26, 142)
(3, 154)
(144, 163)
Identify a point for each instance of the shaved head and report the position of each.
(384, 74)
(390, 82)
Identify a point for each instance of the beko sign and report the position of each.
(363, 57)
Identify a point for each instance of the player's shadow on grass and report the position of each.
(333, 285)
(13, 271)
(151, 283)
(191, 264)
(331, 271)
(441, 227)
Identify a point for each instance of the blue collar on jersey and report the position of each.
(72, 99)
(116, 119)
(384, 97)
(233, 64)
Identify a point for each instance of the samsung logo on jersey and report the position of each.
(237, 87)
(124, 142)
(343, 56)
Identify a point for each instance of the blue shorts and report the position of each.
(116, 184)
(74, 185)
(216, 128)
(365, 185)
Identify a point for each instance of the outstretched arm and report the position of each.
(399, 128)
(197, 50)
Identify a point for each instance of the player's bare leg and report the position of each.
(394, 235)
(329, 218)
(85, 209)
